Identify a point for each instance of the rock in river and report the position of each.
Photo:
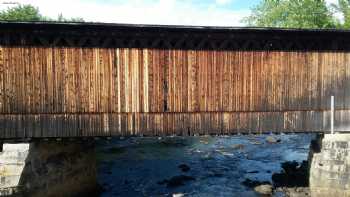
(264, 189)
(176, 181)
(272, 140)
(238, 146)
(178, 195)
(184, 167)
(253, 183)
(292, 175)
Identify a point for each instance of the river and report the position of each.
(209, 166)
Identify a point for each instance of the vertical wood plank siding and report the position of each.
(61, 92)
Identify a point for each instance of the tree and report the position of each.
(31, 13)
(21, 13)
(291, 14)
(61, 18)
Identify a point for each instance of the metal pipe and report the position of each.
(332, 114)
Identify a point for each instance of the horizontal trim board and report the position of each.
(193, 112)
(167, 124)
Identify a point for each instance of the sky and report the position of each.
(163, 12)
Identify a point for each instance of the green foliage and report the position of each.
(21, 13)
(31, 13)
(291, 14)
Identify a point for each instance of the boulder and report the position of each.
(184, 167)
(264, 189)
(176, 181)
(253, 183)
(178, 195)
(272, 140)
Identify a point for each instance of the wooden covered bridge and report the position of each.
(83, 79)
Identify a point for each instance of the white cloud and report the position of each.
(170, 12)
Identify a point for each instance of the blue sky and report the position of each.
(165, 12)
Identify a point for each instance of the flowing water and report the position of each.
(141, 166)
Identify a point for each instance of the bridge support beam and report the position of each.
(48, 168)
(330, 166)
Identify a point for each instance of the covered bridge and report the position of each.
(90, 79)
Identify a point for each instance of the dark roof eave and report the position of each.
(121, 26)
(245, 38)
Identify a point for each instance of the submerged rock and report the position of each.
(216, 174)
(265, 189)
(177, 181)
(184, 167)
(253, 172)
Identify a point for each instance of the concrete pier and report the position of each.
(47, 168)
(330, 166)
(12, 162)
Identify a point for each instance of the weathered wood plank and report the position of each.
(62, 92)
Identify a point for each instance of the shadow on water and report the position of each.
(194, 166)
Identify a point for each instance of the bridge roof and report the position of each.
(76, 26)
(171, 36)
